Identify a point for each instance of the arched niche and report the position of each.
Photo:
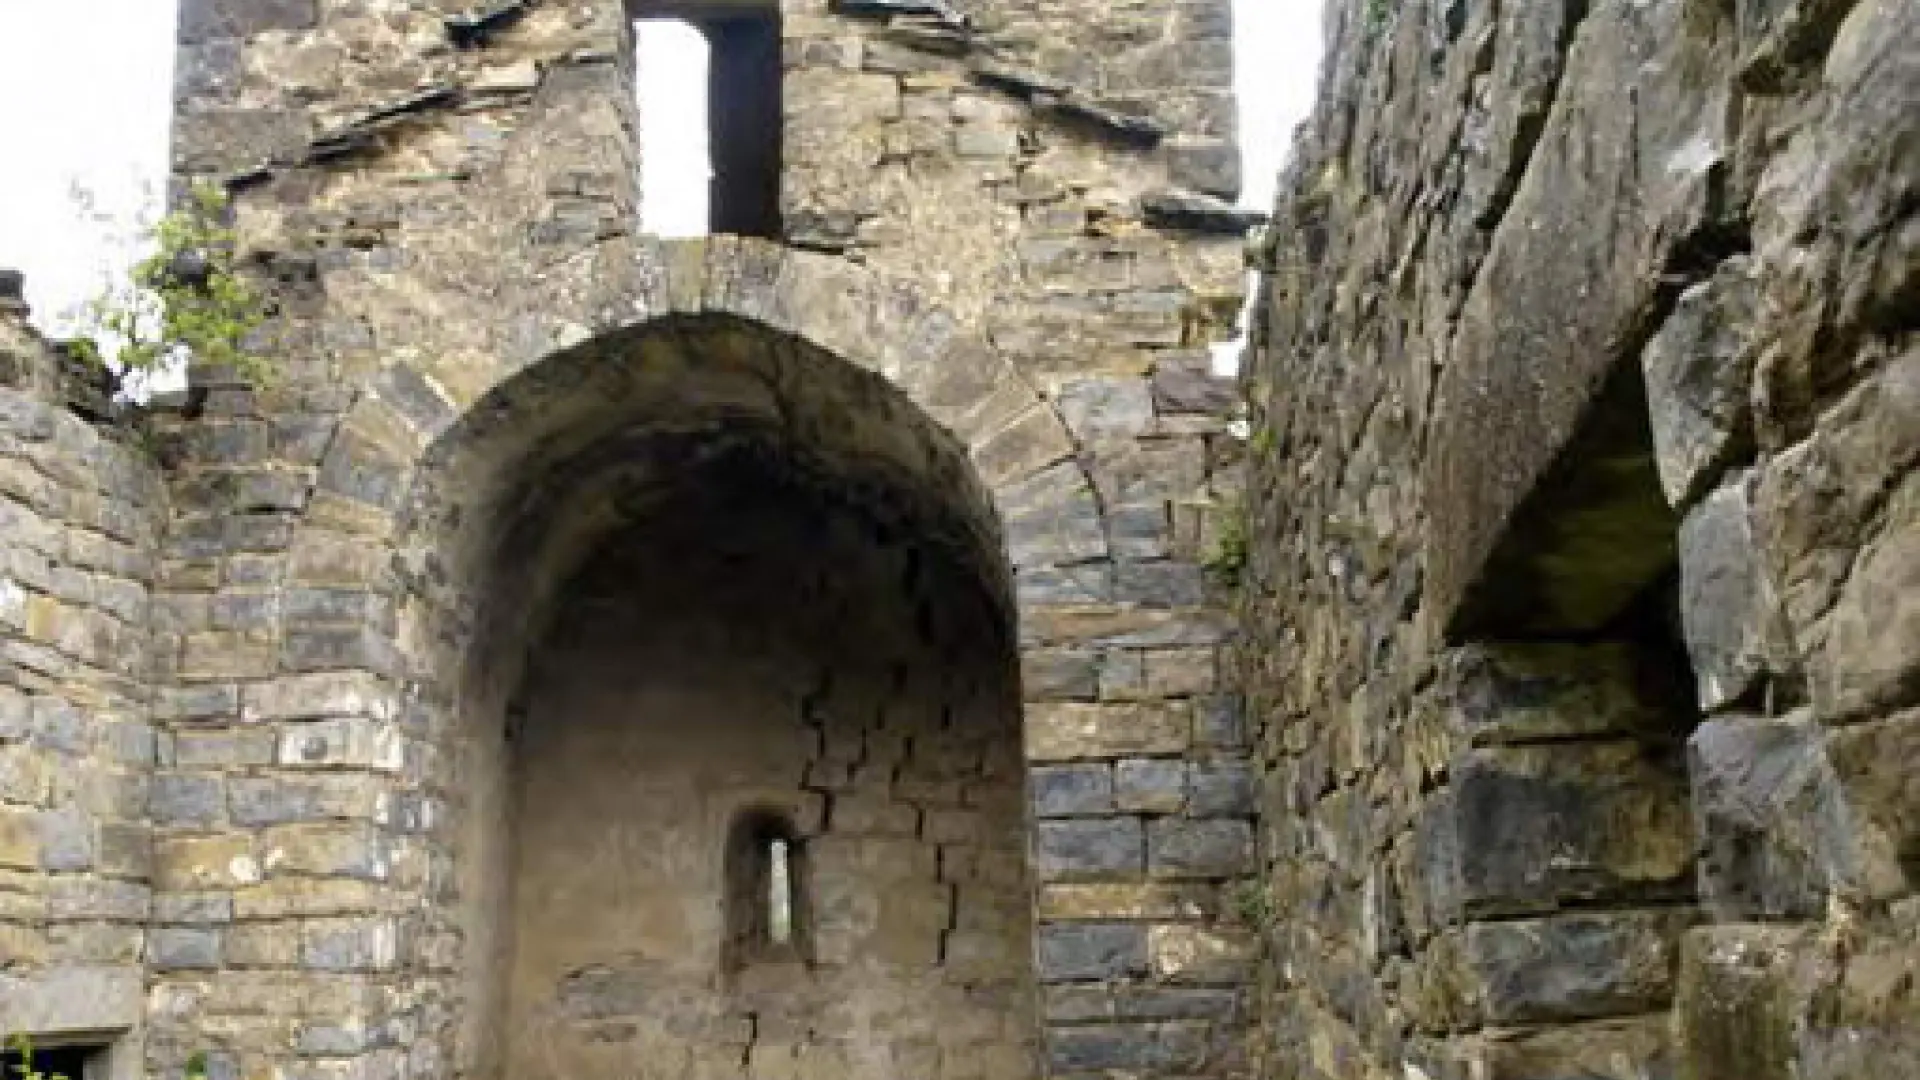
(686, 589)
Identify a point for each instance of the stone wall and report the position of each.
(81, 515)
(1063, 170)
(1000, 266)
(751, 651)
(1581, 620)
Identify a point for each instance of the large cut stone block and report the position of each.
(1077, 951)
(1733, 1016)
(1528, 829)
(1734, 626)
(1635, 1049)
(1533, 692)
(1572, 967)
(1068, 730)
(1783, 830)
(1094, 847)
(1699, 372)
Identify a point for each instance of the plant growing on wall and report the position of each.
(1252, 903)
(1226, 563)
(185, 300)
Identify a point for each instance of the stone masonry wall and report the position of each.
(1063, 169)
(1012, 222)
(81, 515)
(1581, 610)
(753, 648)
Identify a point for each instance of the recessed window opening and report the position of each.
(766, 890)
(67, 1061)
(710, 122)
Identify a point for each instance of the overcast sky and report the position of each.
(86, 84)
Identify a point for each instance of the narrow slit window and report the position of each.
(779, 894)
(766, 878)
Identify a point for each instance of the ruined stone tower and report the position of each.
(595, 656)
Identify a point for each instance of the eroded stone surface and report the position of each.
(1540, 276)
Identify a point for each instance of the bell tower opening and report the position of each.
(710, 115)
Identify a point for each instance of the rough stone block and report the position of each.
(1208, 166)
(1530, 692)
(1151, 785)
(333, 850)
(1163, 1049)
(1106, 408)
(1185, 953)
(1157, 900)
(1219, 722)
(1699, 372)
(204, 863)
(1870, 661)
(1733, 623)
(1221, 789)
(1068, 790)
(366, 744)
(1059, 675)
(1089, 848)
(176, 949)
(1071, 952)
(234, 748)
(201, 20)
(1524, 829)
(68, 840)
(262, 801)
(1734, 1011)
(1187, 384)
(361, 945)
(1602, 1050)
(1573, 967)
(1162, 583)
(1213, 848)
(1065, 731)
(1774, 819)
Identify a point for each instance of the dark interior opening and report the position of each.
(50, 1062)
(1595, 538)
(767, 910)
(744, 122)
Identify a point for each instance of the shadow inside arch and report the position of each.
(684, 569)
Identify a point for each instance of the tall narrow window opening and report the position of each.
(710, 121)
(766, 891)
(779, 894)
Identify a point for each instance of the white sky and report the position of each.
(88, 91)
